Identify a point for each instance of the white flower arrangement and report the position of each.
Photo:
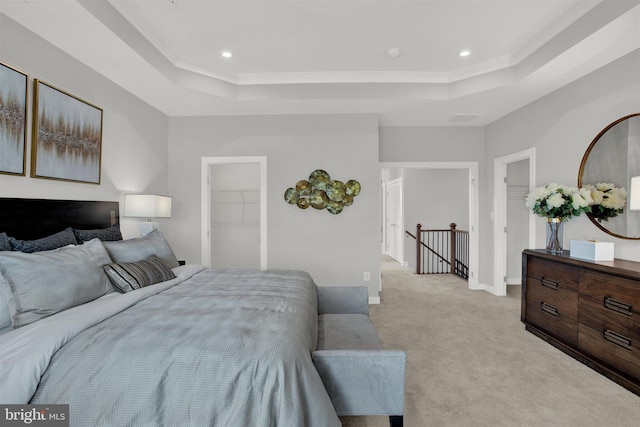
(608, 200)
(559, 201)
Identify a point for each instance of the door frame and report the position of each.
(205, 204)
(397, 182)
(500, 214)
(474, 210)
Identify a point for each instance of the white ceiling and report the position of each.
(323, 56)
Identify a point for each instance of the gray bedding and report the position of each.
(223, 348)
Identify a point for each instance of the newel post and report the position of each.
(418, 246)
(452, 254)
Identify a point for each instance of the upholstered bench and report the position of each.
(360, 376)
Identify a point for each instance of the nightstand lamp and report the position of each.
(147, 206)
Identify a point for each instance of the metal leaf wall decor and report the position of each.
(321, 192)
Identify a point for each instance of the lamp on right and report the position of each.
(147, 206)
(634, 194)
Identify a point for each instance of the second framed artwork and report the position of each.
(67, 136)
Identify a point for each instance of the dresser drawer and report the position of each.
(596, 316)
(612, 348)
(553, 310)
(610, 336)
(618, 295)
(553, 274)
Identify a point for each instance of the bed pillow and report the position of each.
(5, 317)
(5, 314)
(129, 276)
(4, 242)
(141, 248)
(109, 234)
(54, 241)
(40, 284)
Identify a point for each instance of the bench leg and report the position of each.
(395, 420)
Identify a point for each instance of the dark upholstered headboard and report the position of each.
(29, 219)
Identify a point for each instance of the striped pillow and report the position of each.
(129, 276)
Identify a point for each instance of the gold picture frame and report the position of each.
(67, 136)
(13, 120)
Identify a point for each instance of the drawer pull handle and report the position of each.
(547, 308)
(549, 283)
(617, 339)
(617, 306)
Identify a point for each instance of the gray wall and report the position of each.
(335, 249)
(134, 136)
(405, 144)
(561, 126)
(431, 144)
(434, 198)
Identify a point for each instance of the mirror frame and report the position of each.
(581, 173)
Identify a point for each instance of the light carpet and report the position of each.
(470, 361)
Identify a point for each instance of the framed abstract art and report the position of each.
(67, 136)
(13, 120)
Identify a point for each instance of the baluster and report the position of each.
(418, 247)
(452, 253)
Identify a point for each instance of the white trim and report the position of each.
(206, 163)
(474, 209)
(374, 300)
(499, 287)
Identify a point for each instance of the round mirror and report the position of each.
(613, 158)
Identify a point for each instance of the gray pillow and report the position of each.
(4, 242)
(128, 276)
(5, 314)
(141, 248)
(44, 283)
(57, 240)
(109, 234)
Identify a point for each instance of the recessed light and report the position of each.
(464, 52)
(226, 54)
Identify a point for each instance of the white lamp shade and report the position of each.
(634, 194)
(147, 206)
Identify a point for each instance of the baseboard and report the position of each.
(486, 288)
(514, 280)
(478, 287)
(374, 300)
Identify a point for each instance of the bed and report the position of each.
(214, 347)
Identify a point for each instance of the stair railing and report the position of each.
(442, 251)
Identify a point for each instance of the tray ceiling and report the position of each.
(320, 56)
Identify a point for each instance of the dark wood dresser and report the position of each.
(589, 310)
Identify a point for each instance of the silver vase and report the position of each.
(554, 235)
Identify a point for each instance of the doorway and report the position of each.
(514, 175)
(471, 177)
(394, 220)
(517, 218)
(234, 212)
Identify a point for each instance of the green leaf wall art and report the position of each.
(322, 192)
